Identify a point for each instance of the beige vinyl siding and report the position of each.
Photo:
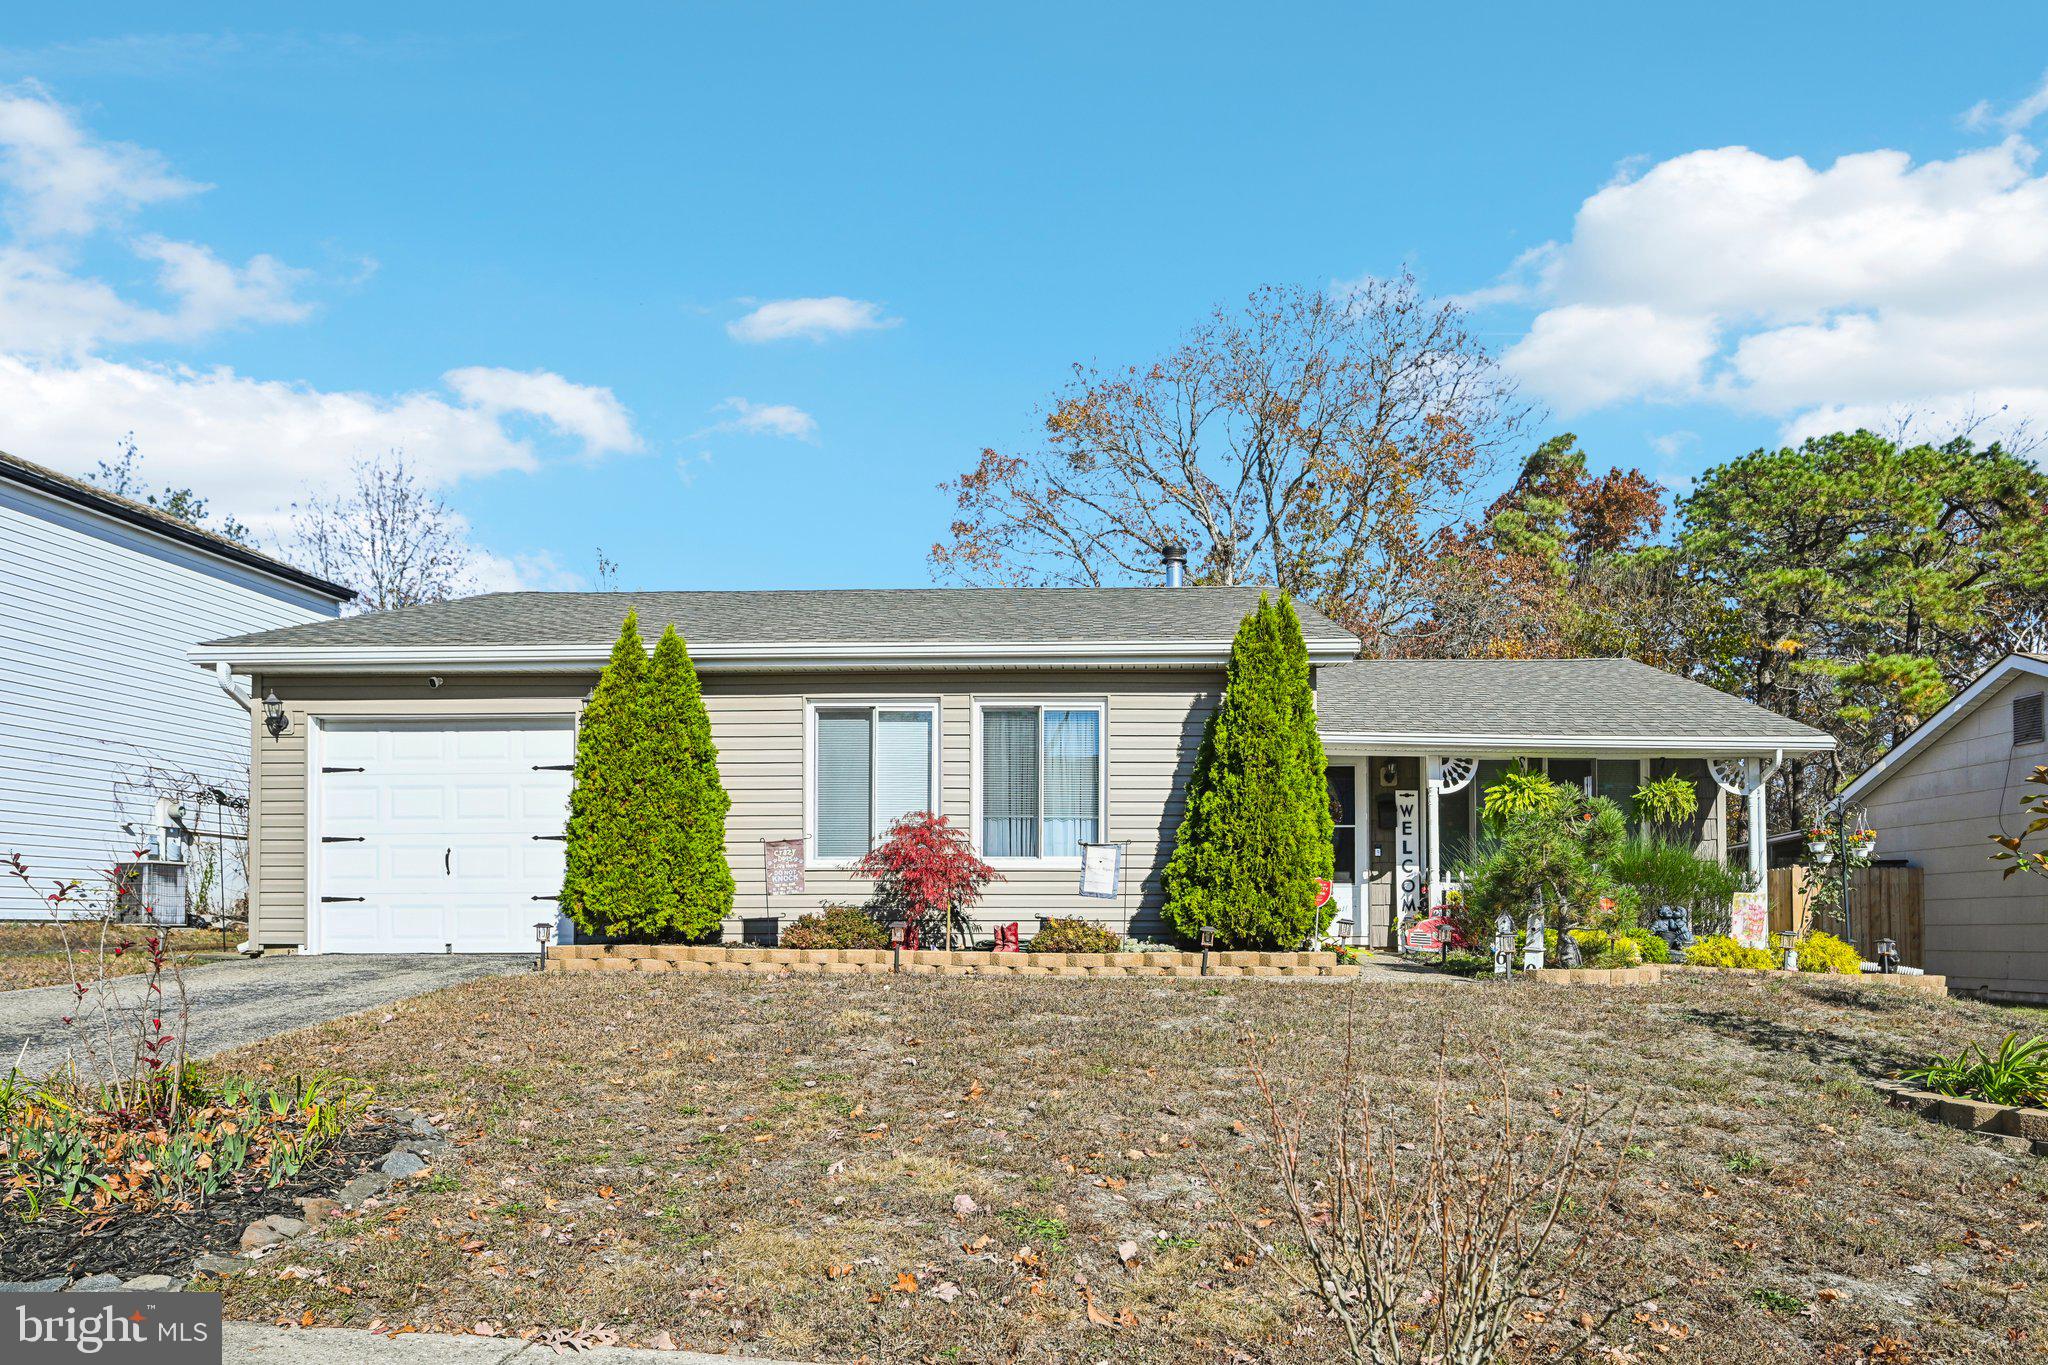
(1154, 721)
(1938, 810)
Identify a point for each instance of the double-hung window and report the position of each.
(870, 767)
(1040, 776)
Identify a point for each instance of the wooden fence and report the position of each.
(1884, 902)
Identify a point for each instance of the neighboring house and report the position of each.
(414, 800)
(101, 714)
(1937, 799)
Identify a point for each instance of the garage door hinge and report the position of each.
(341, 770)
(329, 900)
(544, 898)
(342, 838)
(562, 837)
(554, 767)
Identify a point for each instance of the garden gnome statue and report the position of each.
(1503, 944)
(1532, 948)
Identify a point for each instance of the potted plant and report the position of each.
(1865, 843)
(1820, 846)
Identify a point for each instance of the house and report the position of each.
(412, 800)
(109, 741)
(1937, 799)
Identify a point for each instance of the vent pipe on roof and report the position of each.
(1175, 558)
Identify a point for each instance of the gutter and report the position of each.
(224, 674)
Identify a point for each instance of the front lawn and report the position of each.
(778, 1165)
(32, 951)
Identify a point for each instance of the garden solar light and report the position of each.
(1789, 942)
(541, 933)
(274, 719)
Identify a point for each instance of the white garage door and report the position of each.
(441, 836)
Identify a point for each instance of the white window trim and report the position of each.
(1041, 703)
(872, 705)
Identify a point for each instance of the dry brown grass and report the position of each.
(32, 951)
(755, 1164)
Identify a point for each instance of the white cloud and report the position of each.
(249, 445)
(1775, 287)
(1983, 114)
(813, 319)
(765, 419)
(252, 445)
(538, 571)
(63, 183)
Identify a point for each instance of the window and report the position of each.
(872, 765)
(1041, 780)
(1342, 783)
(1614, 778)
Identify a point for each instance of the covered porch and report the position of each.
(1411, 746)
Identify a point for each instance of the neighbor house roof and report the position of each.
(1941, 722)
(837, 628)
(63, 487)
(1543, 705)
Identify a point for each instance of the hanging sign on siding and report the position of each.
(1102, 868)
(1408, 853)
(784, 859)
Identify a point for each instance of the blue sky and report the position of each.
(728, 290)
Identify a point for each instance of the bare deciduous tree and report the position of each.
(388, 536)
(1311, 440)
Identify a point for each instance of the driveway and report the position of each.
(241, 1001)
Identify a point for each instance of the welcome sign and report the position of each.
(1408, 853)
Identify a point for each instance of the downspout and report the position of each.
(224, 674)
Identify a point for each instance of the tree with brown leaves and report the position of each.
(1311, 440)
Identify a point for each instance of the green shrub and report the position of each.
(836, 926)
(1522, 791)
(1653, 948)
(1558, 852)
(1719, 950)
(1073, 936)
(1820, 952)
(2016, 1074)
(1662, 872)
(687, 802)
(1256, 836)
(1667, 801)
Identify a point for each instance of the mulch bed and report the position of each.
(158, 1242)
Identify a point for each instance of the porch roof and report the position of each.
(1539, 706)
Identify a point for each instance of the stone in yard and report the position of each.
(401, 1164)
(269, 1231)
(50, 1285)
(97, 1284)
(317, 1211)
(1127, 1252)
(216, 1265)
(364, 1186)
(151, 1283)
(963, 1204)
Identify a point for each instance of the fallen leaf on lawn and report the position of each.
(662, 1341)
(946, 1291)
(604, 1191)
(963, 1204)
(906, 1283)
(1237, 1126)
(977, 1244)
(764, 1137)
(485, 1329)
(1098, 1317)
(306, 1318)
(838, 1272)
(1127, 1252)
(976, 1089)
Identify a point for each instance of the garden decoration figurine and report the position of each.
(1568, 954)
(1887, 957)
(1532, 948)
(1503, 943)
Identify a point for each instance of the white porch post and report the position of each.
(1755, 779)
(1433, 780)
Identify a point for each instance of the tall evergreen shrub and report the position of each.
(609, 872)
(686, 801)
(1256, 836)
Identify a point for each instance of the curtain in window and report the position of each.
(845, 742)
(1009, 784)
(903, 766)
(1073, 785)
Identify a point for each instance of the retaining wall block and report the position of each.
(1973, 1116)
(2031, 1124)
(615, 964)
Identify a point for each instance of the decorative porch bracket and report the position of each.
(1748, 779)
(1445, 774)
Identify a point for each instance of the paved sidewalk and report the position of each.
(250, 1343)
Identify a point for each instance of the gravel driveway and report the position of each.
(241, 1001)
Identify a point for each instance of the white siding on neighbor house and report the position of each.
(1939, 810)
(95, 619)
(1154, 725)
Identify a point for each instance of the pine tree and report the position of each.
(1256, 836)
(607, 876)
(686, 801)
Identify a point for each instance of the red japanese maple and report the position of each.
(925, 867)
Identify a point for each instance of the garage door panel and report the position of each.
(447, 814)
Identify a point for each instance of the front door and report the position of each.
(1346, 923)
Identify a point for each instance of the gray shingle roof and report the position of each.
(79, 493)
(885, 615)
(1526, 698)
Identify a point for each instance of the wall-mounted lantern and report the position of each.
(274, 718)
